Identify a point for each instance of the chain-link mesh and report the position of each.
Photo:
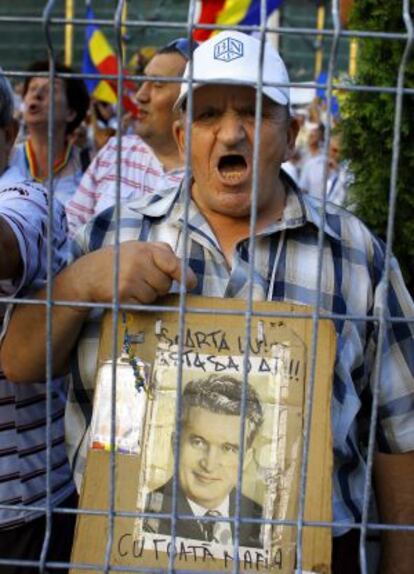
(48, 22)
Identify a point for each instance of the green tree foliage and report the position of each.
(368, 129)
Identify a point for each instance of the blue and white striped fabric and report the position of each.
(352, 284)
(24, 205)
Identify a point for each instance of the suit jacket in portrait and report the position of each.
(160, 501)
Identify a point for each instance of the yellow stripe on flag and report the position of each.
(105, 93)
(233, 12)
(99, 48)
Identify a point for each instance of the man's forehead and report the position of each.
(165, 65)
(226, 90)
(197, 417)
(44, 80)
(229, 94)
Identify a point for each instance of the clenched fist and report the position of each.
(147, 271)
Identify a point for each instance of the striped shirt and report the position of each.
(141, 174)
(65, 181)
(352, 284)
(24, 206)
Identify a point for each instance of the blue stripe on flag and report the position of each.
(253, 13)
(88, 67)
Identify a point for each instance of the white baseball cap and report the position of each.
(235, 57)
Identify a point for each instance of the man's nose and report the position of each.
(231, 129)
(210, 459)
(38, 93)
(143, 93)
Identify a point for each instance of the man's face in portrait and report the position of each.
(209, 456)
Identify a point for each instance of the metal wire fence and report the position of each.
(365, 526)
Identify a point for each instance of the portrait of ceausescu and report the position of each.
(209, 451)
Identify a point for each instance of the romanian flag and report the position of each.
(99, 58)
(231, 13)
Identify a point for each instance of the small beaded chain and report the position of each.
(136, 364)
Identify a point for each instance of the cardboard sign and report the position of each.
(205, 389)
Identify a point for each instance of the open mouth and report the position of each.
(232, 168)
(32, 108)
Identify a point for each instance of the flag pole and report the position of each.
(353, 57)
(69, 13)
(320, 24)
(124, 31)
(345, 12)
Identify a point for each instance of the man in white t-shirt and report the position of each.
(150, 161)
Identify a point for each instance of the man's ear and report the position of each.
(70, 115)
(179, 136)
(247, 459)
(11, 131)
(292, 133)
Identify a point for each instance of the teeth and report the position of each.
(233, 174)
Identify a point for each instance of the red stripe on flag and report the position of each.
(209, 12)
(110, 66)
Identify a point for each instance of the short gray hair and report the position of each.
(6, 101)
(222, 394)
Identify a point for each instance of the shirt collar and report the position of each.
(158, 205)
(223, 508)
(312, 210)
(300, 209)
(58, 166)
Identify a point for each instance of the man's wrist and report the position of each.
(73, 285)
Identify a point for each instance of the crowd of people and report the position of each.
(85, 131)
(294, 175)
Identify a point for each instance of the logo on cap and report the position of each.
(228, 49)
